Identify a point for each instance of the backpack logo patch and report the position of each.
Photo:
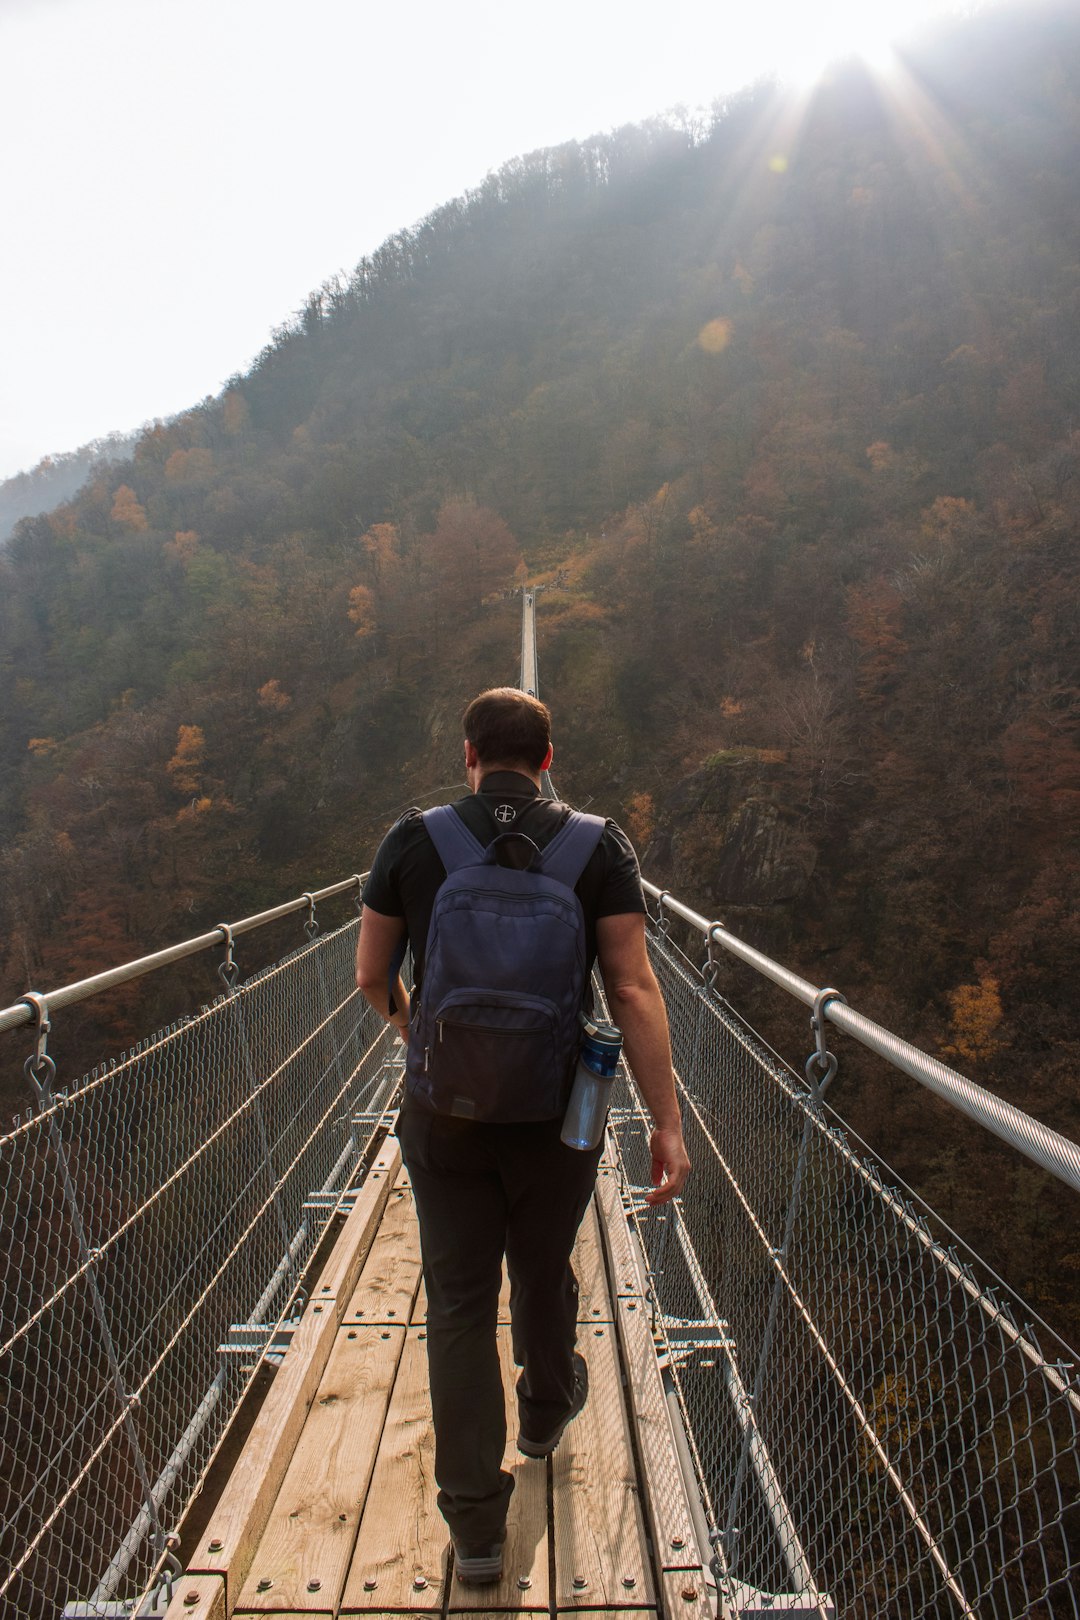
(505, 813)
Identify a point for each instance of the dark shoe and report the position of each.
(543, 1448)
(479, 1566)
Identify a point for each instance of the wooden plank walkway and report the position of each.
(330, 1510)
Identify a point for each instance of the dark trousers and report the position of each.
(482, 1191)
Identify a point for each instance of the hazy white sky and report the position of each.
(176, 175)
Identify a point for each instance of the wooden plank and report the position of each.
(339, 1275)
(389, 1281)
(601, 1558)
(230, 1538)
(303, 1556)
(686, 1595)
(524, 1585)
(403, 1543)
(623, 1272)
(666, 1506)
(197, 1597)
(594, 1299)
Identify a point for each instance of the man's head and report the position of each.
(507, 728)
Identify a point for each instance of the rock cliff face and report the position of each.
(729, 839)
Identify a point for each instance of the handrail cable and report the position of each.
(1037, 1142)
(23, 1012)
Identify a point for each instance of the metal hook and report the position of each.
(311, 927)
(228, 970)
(662, 920)
(711, 970)
(821, 1058)
(39, 1067)
(358, 880)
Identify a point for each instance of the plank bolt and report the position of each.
(391, 1313)
(689, 1594)
(631, 1305)
(629, 1581)
(370, 1583)
(421, 1335)
(598, 1333)
(265, 1584)
(677, 1542)
(342, 1517)
(352, 1335)
(384, 1335)
(190, 1599)
(215, 1545)
(314, 1585)
(419, 1583)
(318, 1310)
(524, 1582)
(580, 1583)
(326, 1288)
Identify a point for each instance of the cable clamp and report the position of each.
(358, 880)
(663, 921)
(311, 927)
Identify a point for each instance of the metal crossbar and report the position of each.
(155, 1216)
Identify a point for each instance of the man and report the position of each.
(485, 1189)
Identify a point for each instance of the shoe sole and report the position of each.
(479, 1571)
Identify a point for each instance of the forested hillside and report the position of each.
(784, 408)
(58, 478)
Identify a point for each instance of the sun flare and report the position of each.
(837, 30)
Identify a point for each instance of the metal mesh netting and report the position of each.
(872, 1424)
(146, 1211)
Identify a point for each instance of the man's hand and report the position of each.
(670, 1164)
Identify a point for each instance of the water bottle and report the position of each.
(591, 1092)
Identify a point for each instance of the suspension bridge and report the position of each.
(807, 1399)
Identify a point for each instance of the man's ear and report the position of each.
(545, 763)
(472, 758)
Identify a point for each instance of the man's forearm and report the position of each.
(638, 1010)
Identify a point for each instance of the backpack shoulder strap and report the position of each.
(567, 856)
(453, 840)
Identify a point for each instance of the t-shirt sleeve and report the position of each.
(621, 890)
(381, 891)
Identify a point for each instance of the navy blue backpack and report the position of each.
(497, 1031)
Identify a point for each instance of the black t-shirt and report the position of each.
(407, 871)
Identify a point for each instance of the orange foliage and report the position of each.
(40, 746)
(184, 767)
(362, 610)
(976, 1015)
(640, 818)
(184, 547)
(272, 697)
(126, 510)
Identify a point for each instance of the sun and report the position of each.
(808, 42)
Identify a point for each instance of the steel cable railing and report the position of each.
(156, 1219)
(875, 1425)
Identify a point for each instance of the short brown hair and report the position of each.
(508, 727)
